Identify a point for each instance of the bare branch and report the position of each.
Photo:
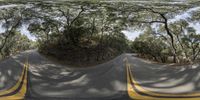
(148, 22)
(82, 9)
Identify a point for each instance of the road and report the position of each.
(124, 78)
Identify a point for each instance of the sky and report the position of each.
(1, 28)
(130, 33)
(24, 30)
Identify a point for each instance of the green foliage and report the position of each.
(91, 30)
(88, 31)
(11, 41)
(149, 46)
(16, 44)
(153, 46)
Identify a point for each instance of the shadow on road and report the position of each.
(10, 71)
(166, 78)
(48, 80)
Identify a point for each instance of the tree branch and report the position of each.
(82, 9)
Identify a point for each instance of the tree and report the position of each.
(11, 41)
(150, 46)
(91, 29)
(12, 20)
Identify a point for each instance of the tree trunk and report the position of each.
(171, 37)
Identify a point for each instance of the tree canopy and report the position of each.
(92, 30)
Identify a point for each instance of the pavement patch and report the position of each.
(18, 91)
(135, 91)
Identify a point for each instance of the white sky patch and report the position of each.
(9, 6)
(1, 28)
(24, 30)
(185, 15)
(196, 26)
(155, 27)
(131, 34)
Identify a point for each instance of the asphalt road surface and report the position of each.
(32, 76)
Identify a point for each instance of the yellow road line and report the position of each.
(137, 92)
(16, 86)
(132, 93)
(21, 93)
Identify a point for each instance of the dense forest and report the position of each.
(91, 31)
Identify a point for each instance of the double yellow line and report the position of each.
(18, 91)
(135, 91)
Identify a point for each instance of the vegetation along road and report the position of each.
(123, 78)
(99, 50)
